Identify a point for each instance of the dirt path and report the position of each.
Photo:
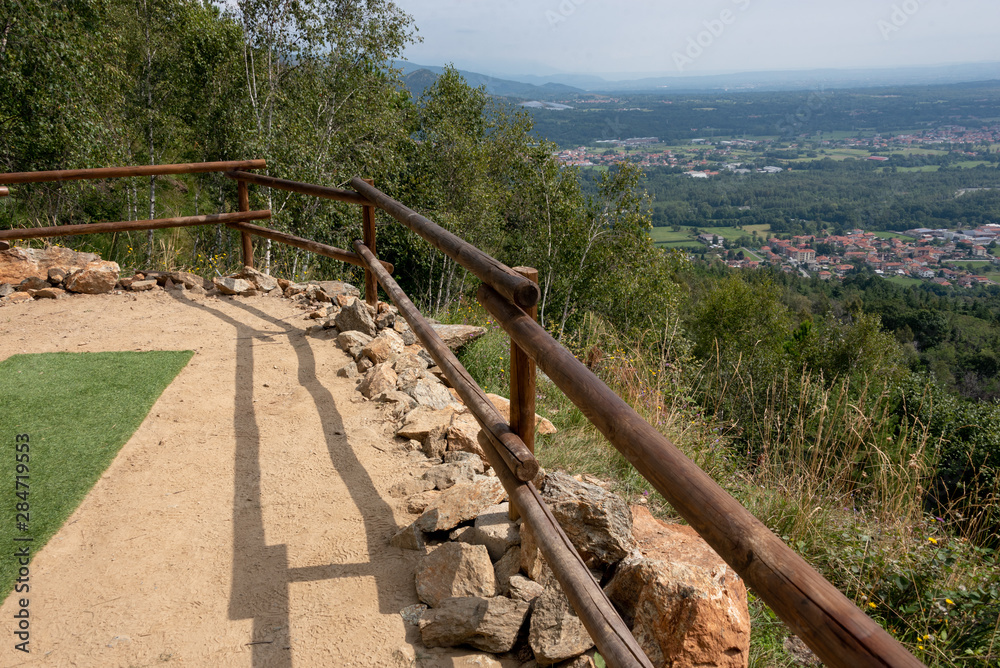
(245, 522)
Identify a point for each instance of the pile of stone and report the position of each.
(484, 583)
(29, 273)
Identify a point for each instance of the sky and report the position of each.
(677, 37)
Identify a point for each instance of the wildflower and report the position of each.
(871, 604)
(932, 540)
(949, 601)
(920, 646)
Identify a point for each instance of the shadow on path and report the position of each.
(261, 574)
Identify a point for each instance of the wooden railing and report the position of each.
(839, 633)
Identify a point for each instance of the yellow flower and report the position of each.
(933, 540)
(920, 646)
(949, 601)
(871, 605)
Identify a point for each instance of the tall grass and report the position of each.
(829, 466)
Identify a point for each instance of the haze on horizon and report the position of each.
(672, 38)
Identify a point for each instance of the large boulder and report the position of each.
(353, 342)
(489, 624)
(597, 522)
(456, 336)
(684, 604)
(356, 317)
(421, 421)
(337, 288)
(228, 285)
(430, 393)
(455, 569)
(380, 378)
(260, 280)
(556, 632)
(95, 278)
(17, 264)
(461, 503)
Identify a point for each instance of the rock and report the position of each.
(430, 393)
(597, 522)
(363, 364)
(582, 661)
(411, 614)
(293, 289)
(418, 502)
(188, 280)
(337, 288)
(17, 264)
(142, 286)
(469, 458)
(463, 433)
(409, 362)
(33, 283)
(556, 632)
(382, 349)
(315, 293)
(435, 445)
(349, 370)
(6, 289)
(422, 420)
(49, 293)
(532, 562)
(380, 378)
(457, 658)
(410, 486)
(355, 318)
(385, 320)
(542, 426)
(405, 401)
(507, 567)
(456, 336)
(18, 297)
(522, 589)
(57, 275)
(402, 328)
(496, 531)
(684, 604)
(408, 538)
(489, 624)
(461, 503)
(344, 300)
(454, 569)
(228, 285)
(444, 476)
(95, 278)
(261, 281)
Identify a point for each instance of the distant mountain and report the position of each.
(556, 85)
(419, 77)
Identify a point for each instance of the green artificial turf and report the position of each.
(77, 410)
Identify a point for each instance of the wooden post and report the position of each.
(245, 238)
(522, 385)
(4, 191)
(368, 229)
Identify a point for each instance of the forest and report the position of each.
(678, 117)
(858, 420)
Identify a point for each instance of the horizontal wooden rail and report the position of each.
(129, 225)
(297, 187)
(143, 170)
(839, 633)
(515, 454)
(612, 636)
(509, 283)
(306, 244)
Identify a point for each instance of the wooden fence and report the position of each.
(839, 633)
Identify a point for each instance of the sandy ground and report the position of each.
(245, 522)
